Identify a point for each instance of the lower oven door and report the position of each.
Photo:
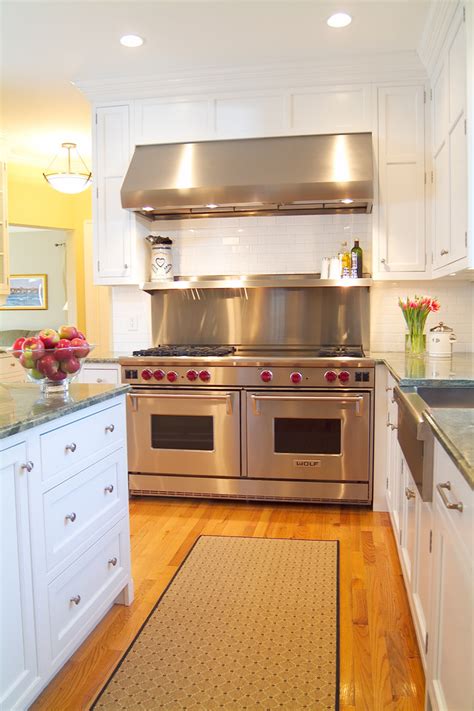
(185, 433)
(317, 436)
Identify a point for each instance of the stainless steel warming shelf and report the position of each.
(253, 281)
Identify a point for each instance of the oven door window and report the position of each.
(192, 432)
(307, 435)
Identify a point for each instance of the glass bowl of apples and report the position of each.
(53, 358)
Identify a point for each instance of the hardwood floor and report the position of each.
(380, 666)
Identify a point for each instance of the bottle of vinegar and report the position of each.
(356, 261)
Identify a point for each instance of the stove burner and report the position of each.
(339, 352)
(200, 351)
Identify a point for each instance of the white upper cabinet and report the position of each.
(4, 242)
(170, 120)
(450, 178)
(400, 249)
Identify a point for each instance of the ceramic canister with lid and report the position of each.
(440, 341)
(161, 258)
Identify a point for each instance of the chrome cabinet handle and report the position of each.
(409, 493)
(387, 390)
(383, 260)
(71, 447)
(76, 599)
(441, 489)
(109, 488)
(28, 466)
(71, 517)
(444, 251)
(110, 428)
(392, 427)
(113, 561)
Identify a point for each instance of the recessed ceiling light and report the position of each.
(347, 201)
(339, 19)
(131, 41)
(211, 205)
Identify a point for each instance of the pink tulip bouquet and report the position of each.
(415, 312)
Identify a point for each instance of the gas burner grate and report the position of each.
(340, 352)
(200, 351)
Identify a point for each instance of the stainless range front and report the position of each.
(280, 425)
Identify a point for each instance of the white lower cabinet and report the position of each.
(450, 685)
(18, 664)
(65, 542)
(100, 373)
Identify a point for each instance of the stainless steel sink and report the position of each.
(447, 396)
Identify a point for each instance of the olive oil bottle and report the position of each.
(356, 261)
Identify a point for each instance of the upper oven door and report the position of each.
(185, 433)
(317, 436)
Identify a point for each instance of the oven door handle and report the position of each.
(134, 397)
(358, 400)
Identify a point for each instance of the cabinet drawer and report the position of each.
(66, 446)
(11, 370)
(76, 596)
(460, 492)
(100, 375)
(80, 506)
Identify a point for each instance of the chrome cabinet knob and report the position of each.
(28, 466)
(99, 380)
(71, 447)
(71, 517)
(383, 260)
(76, 599)
(387, 390)
(444, 251)
(113, 561)
(109, 488)
(125, 266)
(110, 428)
(409, 493)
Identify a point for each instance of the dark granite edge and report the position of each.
(65, 409)
(456, 456)
(423, 382)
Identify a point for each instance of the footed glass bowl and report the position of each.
(53, 368)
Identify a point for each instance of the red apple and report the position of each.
(57, 376)
(18, 346)
(81, 347)
(81, 335)
(63, 349)
(69, 332)
(27, 361)
(71, 365)
(47, 364)
(34, 346)
(50, 337)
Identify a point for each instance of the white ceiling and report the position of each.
(47, 45)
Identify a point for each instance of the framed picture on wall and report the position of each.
(28, 292)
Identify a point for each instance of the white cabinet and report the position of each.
(65, 542)
(392, 452)
(450, 684)
(100, 373)
(401, 241)
(409, 501)
(450, 176)
(18, 664)
(11, 371)
(4, 243)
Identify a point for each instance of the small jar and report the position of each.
(161, 265)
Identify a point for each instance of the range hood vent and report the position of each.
(286, 175)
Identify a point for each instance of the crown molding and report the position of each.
(434, 34)
(362, 68)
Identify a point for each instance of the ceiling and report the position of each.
(47, 45)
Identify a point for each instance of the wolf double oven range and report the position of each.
(251, 423)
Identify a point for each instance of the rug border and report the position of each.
(254, 538)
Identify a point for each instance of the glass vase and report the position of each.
(415, 343)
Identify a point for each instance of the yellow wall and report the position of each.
(33, 203)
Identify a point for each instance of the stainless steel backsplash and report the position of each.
(273, 316)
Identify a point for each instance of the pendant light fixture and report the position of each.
(68, 181)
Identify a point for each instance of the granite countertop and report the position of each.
(23, 407)
(432, 372)
(454, 428)
(100, 356)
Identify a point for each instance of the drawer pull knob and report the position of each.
(28, 466)
(76, 599)
(409, 493)
(447, 485)
(387, 390)
(71, 517)
(99, 380)
(110, 428)
(444, 251)
(109, 488)
(113, 561)
(71, 447)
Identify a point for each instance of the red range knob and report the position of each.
(344, 376)
(205, 376)
(147, 374)
(266, 376)
(296, 377)
(172, 376)
(159, 374)
(330, 376)
(192, 375)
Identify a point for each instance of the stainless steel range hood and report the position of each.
(251, 176)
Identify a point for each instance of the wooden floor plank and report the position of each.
(380, 666)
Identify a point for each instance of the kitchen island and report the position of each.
(65, 541)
